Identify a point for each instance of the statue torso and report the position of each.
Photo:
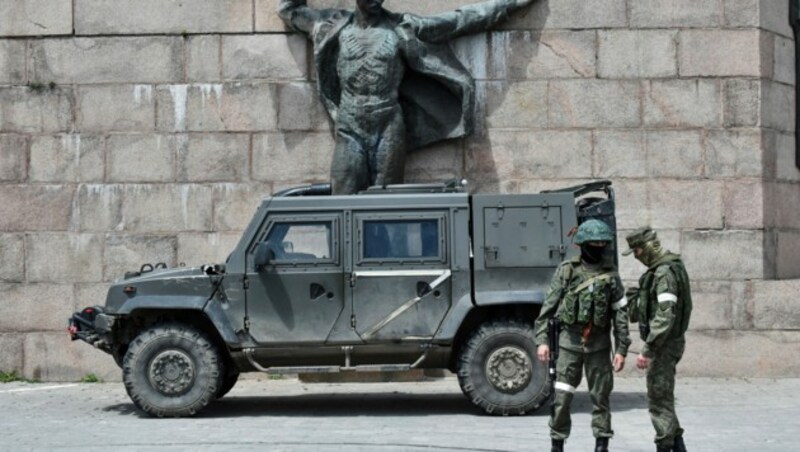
(370, 65)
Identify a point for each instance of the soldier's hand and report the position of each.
(619, 363)
(642, 362)
(543, 352)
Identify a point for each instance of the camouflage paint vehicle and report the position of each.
(395, 278)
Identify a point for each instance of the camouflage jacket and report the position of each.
(664, 302)
(582, 295)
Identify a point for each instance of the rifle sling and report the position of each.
(592, 280)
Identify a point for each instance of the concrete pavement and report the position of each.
(288, 415)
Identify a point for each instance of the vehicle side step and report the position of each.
(248, 352)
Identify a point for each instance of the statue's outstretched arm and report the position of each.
(466, 20)
(298, 15)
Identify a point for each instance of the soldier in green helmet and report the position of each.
(662, 305)
(586, 296)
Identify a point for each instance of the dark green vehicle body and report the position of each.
(392, 279)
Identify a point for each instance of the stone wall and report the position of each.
(136, 131)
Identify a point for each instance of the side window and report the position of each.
(301, 242)
(402, 239)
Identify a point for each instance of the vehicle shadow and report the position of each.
(372, 404)
(327, 405)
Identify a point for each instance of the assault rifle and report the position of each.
(633, 294)
(644, 330)
(553, 330)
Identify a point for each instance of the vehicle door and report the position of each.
(298, 295)
(401, 278)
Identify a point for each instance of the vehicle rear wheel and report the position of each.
(172, 370)
(498, 370)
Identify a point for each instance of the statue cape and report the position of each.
(437, 94)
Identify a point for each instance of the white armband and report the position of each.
(667, 297)
(561, 386)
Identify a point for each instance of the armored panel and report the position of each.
(521, 231)
(518, 240)
(527, 236)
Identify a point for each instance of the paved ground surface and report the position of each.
(287, 415)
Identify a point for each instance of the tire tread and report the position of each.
(466, 380)
(207, 353)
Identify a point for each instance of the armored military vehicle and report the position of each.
(395, 278)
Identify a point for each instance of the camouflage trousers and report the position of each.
(599, 376)
(661, 393)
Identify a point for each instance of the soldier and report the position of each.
(662, 305)
(587, 296)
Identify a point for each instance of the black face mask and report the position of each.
(592, 254)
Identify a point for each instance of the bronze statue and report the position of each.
(390, 82)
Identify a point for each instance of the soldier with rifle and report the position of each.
(587, 299)
(663, 306)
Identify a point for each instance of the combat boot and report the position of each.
(679, 446)
(601, 445)
(558, 445)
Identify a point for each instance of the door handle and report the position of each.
(423, 288)
(316, 291)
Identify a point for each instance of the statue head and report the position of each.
(369, 7)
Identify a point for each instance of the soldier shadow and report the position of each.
(620, 401)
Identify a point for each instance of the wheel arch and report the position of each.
(141, 319)
(482, 314)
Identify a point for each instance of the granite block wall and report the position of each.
(136, 131)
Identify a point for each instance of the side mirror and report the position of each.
(264, 255)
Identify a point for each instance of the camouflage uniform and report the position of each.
(662, 306)
(588, 299)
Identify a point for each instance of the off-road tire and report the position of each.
(228, 382)
(172, 370)
(502, 353)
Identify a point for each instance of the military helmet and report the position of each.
(593, 231)
(638, 238)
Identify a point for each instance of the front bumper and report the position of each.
(92, 326)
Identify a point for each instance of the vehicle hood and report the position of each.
(161, 274)
(162, 289)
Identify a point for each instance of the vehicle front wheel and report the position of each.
(228, 382)
(498, 370)
(172, 370)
